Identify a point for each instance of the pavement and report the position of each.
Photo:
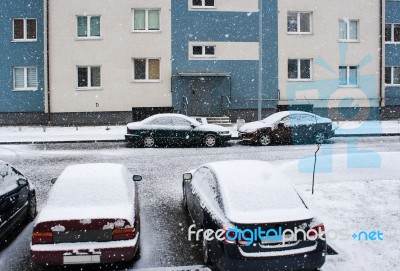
(89, 134)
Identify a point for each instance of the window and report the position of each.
(299, 69)
(146, 20)
(88, 27)
(146, 69)
(203, 3)
(89, 77)
(203, 50)
(299, 22)
(24, 29)
(392, 32)
(8, 179)
(25, 78)
(348, 75)
(392, 75)
(348, 30)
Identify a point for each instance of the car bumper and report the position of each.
(248, 137)
(132, 138)
(224, 137)
(84, 253)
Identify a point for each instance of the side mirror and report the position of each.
(187, 176)
(137, 178)
(281, 125)
(22, 182)
(53, 181)
(193, 126)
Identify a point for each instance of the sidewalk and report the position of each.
(43, 134)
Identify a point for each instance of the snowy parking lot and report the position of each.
(357, 189)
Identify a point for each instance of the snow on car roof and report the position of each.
(90, 191)
(279, 115)
(254, 192)
(170, 115)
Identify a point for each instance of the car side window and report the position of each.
(8, 179)
(180, 122)
(162, 121)
(205, 182)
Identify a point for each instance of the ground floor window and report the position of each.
(348, 75)
(25, 78)
(89, 76)
(146, 69)
(392, 75)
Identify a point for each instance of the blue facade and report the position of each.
(19, 54)
(224, 85)
(392, 52)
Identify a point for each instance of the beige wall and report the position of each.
(323, 43)
(113, 52)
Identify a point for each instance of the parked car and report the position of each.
(91, 216)
(17, 200)
(287, 127)
(175, 129)
(245, 196)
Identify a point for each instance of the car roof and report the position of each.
(169, 115)
(255, 192)
(101, 190)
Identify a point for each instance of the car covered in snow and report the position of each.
(17, 200)
(249, 217)
(91, 216)
(175, 129)
(287, 127)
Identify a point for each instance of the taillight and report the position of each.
(123, 234)
(245, 239)
(318, 230)
(42, 238)
(231, 235)
(127, 130)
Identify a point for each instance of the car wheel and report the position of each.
(184, 199)
(210, 140)
(32, 209)
(265, 140)
(206, 251)
(319, 138)
(148, 141)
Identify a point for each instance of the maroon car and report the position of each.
(287, 127)
(91, 216)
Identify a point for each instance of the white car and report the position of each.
(91, 216)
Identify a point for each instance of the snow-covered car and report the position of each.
(91, 216)
(175, 129)
(17, 200)
(256, 212)
(287, 127)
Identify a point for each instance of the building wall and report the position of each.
(233, 28)
(327, 53)
(21, 54)
(392, 58)
(113, 52)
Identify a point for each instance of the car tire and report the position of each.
(264, 139)
(206, 251)
(319, 138)
(32, 210)
(210, 141)
(148, 141)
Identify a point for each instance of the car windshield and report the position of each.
(274, 117)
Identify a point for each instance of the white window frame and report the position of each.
(348, 30)
(391, 76)
(203, 50)
(146, 80)
(298, 32)
(89, 77)
(392, 33)
(299, 70)
(88, 37)
(203, 5)
(348, 85)
(25, 39)
(25, 88)
(146, 20)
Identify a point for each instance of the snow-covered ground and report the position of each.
(29, 134)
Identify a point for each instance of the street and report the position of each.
(163, 222)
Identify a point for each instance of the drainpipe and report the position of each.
(260, 56)
(46, 59)
(382, 58)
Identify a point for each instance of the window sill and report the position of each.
(299, 33)
(349, 86)
(88, 38)
(33, 40)
(300, 80)
(393, 42)
(146, 31)
(25, 89)
(202, 7)
(392, 85)
(88, 88)
(348, 41)
(145, 81)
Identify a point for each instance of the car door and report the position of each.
(308, 126)
(282, 131)
(162, 129)
(22, 193)
(182, 130)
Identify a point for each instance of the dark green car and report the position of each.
(175, 129)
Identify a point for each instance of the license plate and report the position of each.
(81, 259)
(289, 238)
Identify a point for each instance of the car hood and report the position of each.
(132, 125)
(211, 127)
(254, 126)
